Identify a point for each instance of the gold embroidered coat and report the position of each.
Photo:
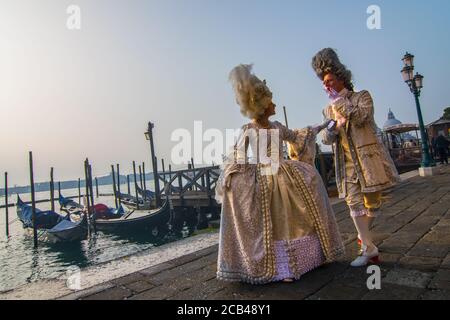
(374, 167)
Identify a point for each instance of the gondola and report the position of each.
(111, 220)
(137, 220)
(100, 210)
(130, 202)
(51, 226)
(69, 206)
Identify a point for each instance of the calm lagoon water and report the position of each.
(20, 263)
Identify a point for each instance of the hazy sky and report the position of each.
(70, 94)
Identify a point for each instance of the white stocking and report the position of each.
(362, 225)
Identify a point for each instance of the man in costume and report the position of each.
(363, 167)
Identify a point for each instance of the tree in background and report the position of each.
(447, 113)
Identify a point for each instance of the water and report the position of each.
(20, 263)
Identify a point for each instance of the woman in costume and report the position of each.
(277, 222)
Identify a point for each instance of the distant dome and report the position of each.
(391, 121)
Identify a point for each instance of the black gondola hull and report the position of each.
(156, 219)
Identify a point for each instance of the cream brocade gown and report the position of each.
(275, 226)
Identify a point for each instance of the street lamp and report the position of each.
(415, 83)
(149, 137)
(418, 79)
(408, 60)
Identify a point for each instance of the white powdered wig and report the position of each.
(327, 61)
(252, 94)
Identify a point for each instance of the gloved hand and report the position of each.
(336, 100)
(332, 94)
(319, 127)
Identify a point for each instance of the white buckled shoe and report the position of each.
(366, 258)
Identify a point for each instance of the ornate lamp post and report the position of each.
(149, 137)
(415, 83)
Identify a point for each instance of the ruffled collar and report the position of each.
(344, 92)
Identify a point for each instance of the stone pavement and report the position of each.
(412, 234)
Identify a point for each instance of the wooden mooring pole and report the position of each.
(79, 190)
(135, 185)
(164, 172)
(114, 186)
(193, 172)
(52, 190)
(128, 184)
(89, 182)
(88, 201)
(141, 183)
(33, 201)
(154, 163)
(118, 184)
(6, 204)
(143, 175)
(157, 174)
(170, 177)
(96, 187)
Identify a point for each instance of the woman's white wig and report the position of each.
(252, 94)
(327, 61)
